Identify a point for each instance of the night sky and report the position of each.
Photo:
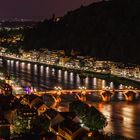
(38, 9)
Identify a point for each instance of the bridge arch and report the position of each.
(106, 95)
(129, 95)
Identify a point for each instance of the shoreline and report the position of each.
(83, 73)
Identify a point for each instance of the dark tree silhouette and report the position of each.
(90, 116)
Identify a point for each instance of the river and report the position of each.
(123, 117)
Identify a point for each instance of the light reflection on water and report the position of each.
(123, 118)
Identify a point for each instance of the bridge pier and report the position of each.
(129, 96)
(106, 96)
(57, 101)
(82, 97)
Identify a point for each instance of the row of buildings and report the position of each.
(129, 71)
(77, 62)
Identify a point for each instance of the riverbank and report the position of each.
(114, 78)
(85, 73)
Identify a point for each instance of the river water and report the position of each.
(123, 117)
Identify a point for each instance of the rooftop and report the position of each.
(69, 126)
(30, 97)
(68, 115)
(51, 113)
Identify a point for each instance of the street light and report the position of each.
(83, 89)
(58, 89)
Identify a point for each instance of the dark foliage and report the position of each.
(106, 30)
(90, 116)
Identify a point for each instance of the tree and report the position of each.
(13, 50)
(79, 108)
(95, 120)
(82, 63)
(21, 125)
(90, 116)
(41, 124)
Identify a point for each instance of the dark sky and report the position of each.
(38, 9)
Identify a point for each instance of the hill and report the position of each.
(106, 30)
